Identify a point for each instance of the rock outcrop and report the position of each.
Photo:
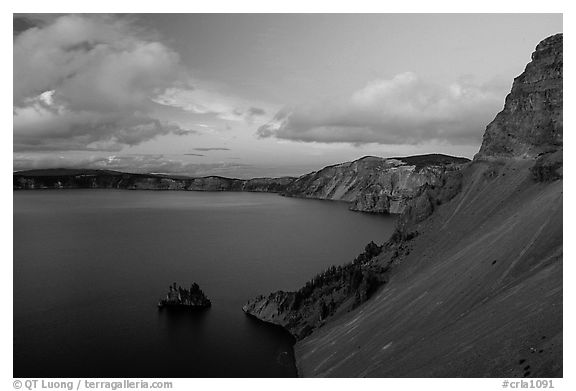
(373, 184)
(531, 122)
(471, 281)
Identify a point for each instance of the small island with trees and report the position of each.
(179, 297)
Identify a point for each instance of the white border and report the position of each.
(259, 6)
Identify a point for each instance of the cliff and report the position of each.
(531, 121)
(470, 284)
(373, 184)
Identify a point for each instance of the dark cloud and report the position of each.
(256, 111)
(86, 82)
(193, 154)
(402, 110)
(21, 24)
(24, 22)
(212, 149)
(47, 130)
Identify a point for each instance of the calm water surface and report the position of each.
(90, 266)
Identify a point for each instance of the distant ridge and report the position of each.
(65, 172)
(371, 184)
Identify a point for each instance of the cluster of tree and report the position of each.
(330, 288)
(370, 251)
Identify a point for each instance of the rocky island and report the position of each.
(179, 297)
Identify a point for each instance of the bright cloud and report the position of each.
(86, 82)
(199, 100)
(403, 110)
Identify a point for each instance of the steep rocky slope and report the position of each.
(374, 184)
(471, 281)
(479, 293)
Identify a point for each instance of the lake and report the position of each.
(91, 265)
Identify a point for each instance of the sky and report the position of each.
(248, 95)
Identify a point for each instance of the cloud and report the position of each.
(22, 23)
(133, 163)
(86, 83)
(256, 111)
(403, 110)
(193, 154)
(212, 149)
(210, 101)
